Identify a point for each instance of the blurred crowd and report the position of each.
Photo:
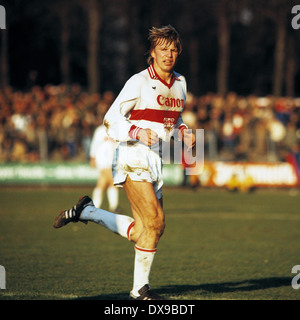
(53, 123)
(240, 128)
(56, 123)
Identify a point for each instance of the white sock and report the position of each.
(117, 223)
(142, 267)
(113, 198)
(97, 197)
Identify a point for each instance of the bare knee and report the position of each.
(159, 227)
(155, 226)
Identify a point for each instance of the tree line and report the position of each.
(246, 46)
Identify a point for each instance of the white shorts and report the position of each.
(140, 163)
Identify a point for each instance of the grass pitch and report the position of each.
(217, 245)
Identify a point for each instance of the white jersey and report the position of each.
(146, 101)
(102, 148)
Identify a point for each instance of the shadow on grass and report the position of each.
(181, 290)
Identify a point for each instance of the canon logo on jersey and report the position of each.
(170, 102)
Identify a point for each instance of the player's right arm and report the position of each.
(116, 121)
(147, 137)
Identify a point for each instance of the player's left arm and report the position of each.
(188, 138)
(185, 134)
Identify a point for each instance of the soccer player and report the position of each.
(147, 110)
(101, 157)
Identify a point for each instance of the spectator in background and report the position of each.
(236, 127)
(42, 136)
(101, 157)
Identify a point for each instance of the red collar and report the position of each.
(153, 75)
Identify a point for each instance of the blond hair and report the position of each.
(166, 34)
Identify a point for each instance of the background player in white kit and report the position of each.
(101, 157)
(147, 110)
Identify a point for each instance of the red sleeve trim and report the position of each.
(182, 127)
(133, 132)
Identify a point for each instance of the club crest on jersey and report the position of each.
(169, 123)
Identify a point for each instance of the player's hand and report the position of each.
(147, 137)
(189, 139)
